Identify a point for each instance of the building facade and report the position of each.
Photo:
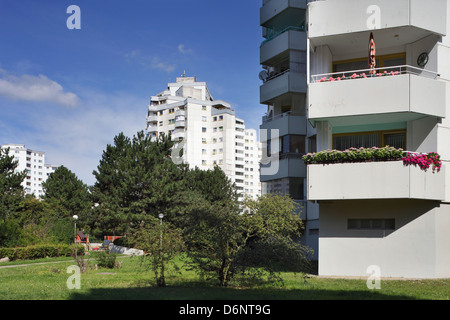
(207, 130)
(285, 132)
(383, 214)
(33, 162)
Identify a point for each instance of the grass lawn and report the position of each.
(132, 282)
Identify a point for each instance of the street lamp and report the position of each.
(75, 218)
(161, 216)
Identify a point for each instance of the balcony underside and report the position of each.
(344, 25)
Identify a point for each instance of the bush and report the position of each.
(39, 252)
(106, 260)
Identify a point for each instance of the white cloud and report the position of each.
(158, 64)
(183, 50)
(76, 137)
(35, 89)
(152, 62)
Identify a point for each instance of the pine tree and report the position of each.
(11, 190)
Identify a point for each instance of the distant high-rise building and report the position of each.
(34, 164)
(208, 131)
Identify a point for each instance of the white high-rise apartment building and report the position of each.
(34, 163)
(208, 131)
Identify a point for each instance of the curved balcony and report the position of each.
(274, 11)
(282, 83)
(396, 94)
(374, 180)
(278, 46)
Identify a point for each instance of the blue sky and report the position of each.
(69, 92)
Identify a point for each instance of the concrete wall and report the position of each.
(374, 180)
(418, 248)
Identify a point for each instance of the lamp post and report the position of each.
(161, 216)
(161, 281)
(75, 218)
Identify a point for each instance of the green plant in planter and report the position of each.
(354, 155)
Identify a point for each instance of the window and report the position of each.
(293, 144)
(203, 162)
(296, 188)
(371, 224)
(396, 139)
(172, 121)
(204, 140)
(203, 118)
(171, 111)
(160, 113)
(160, 123)
(203, 151)
(220, 118)
(204, 108)
(203, 129)
(215, 119)
(362, 64)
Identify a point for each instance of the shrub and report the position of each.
(106, 260)
(39, 252)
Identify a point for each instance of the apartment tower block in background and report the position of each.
(34, 164)
(208, 131)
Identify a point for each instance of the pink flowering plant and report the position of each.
(358, 76)
(424, 161)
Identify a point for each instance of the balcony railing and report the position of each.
(373, 73)
(271, 34)
(267, 118)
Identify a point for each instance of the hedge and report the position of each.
(40, 251)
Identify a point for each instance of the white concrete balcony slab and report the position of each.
(280, 45)
(278, 8)
(374, 180)
(344, 25)
(284, 83)
(286, 123)
(279, 168)
(152, 118)
(401, 97)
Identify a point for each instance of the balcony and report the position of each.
(286, 123)
(282, 83)
(152, 129)
(402, 95)
(180, 113)
(285, 166)
(178, 134)
(374, 180)
(279, 44)
(275, 11)
(400, 22)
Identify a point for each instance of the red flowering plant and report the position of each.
(424, 161)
